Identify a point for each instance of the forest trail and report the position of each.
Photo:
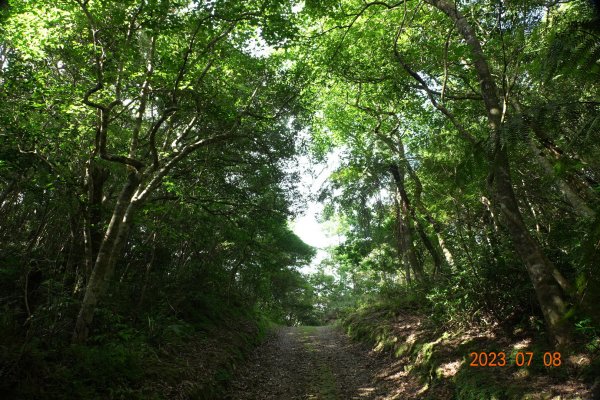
(319, 363)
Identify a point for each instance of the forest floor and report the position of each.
(323, 363)
(319, 363)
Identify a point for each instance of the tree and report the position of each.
(154, 83)
(404, 62)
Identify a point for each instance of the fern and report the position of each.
(575, 50)
(574, 124)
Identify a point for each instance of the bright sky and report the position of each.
(307, 226)
(313, 177)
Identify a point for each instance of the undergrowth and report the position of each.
(157, 356)
(439, 354)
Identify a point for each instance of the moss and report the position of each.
(439, 359)
(327, 386)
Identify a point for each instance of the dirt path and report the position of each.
(319, 363)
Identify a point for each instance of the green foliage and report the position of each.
(574, 47)
(112, 370)
(128, 360)
(208, 258)
(408, 94)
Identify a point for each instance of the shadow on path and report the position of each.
(318, 363)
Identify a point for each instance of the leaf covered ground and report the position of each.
(317, 363)
(405, 361)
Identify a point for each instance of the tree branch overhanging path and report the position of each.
(143, 177)
(552, 288)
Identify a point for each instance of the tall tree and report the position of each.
(154, 83)
(464, 61)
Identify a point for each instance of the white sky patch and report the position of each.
(307, 226)
(296, 8)
(257, 47)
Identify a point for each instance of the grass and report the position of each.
(326, 383)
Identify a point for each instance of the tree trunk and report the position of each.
(539, 267)
(535, 214)
(146, 276)
(492, 228)
(405, 224)
(435, 254)
(578, 204)
(581, 184)
(439, 243)
(411, 253)
(400, 243)
(7, 191)
(433, 246)
(92, 229)
(447, 254)
(107, 256)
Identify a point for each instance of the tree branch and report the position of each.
(461, 129)
(152, 137)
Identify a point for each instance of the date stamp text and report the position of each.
(521, 359)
